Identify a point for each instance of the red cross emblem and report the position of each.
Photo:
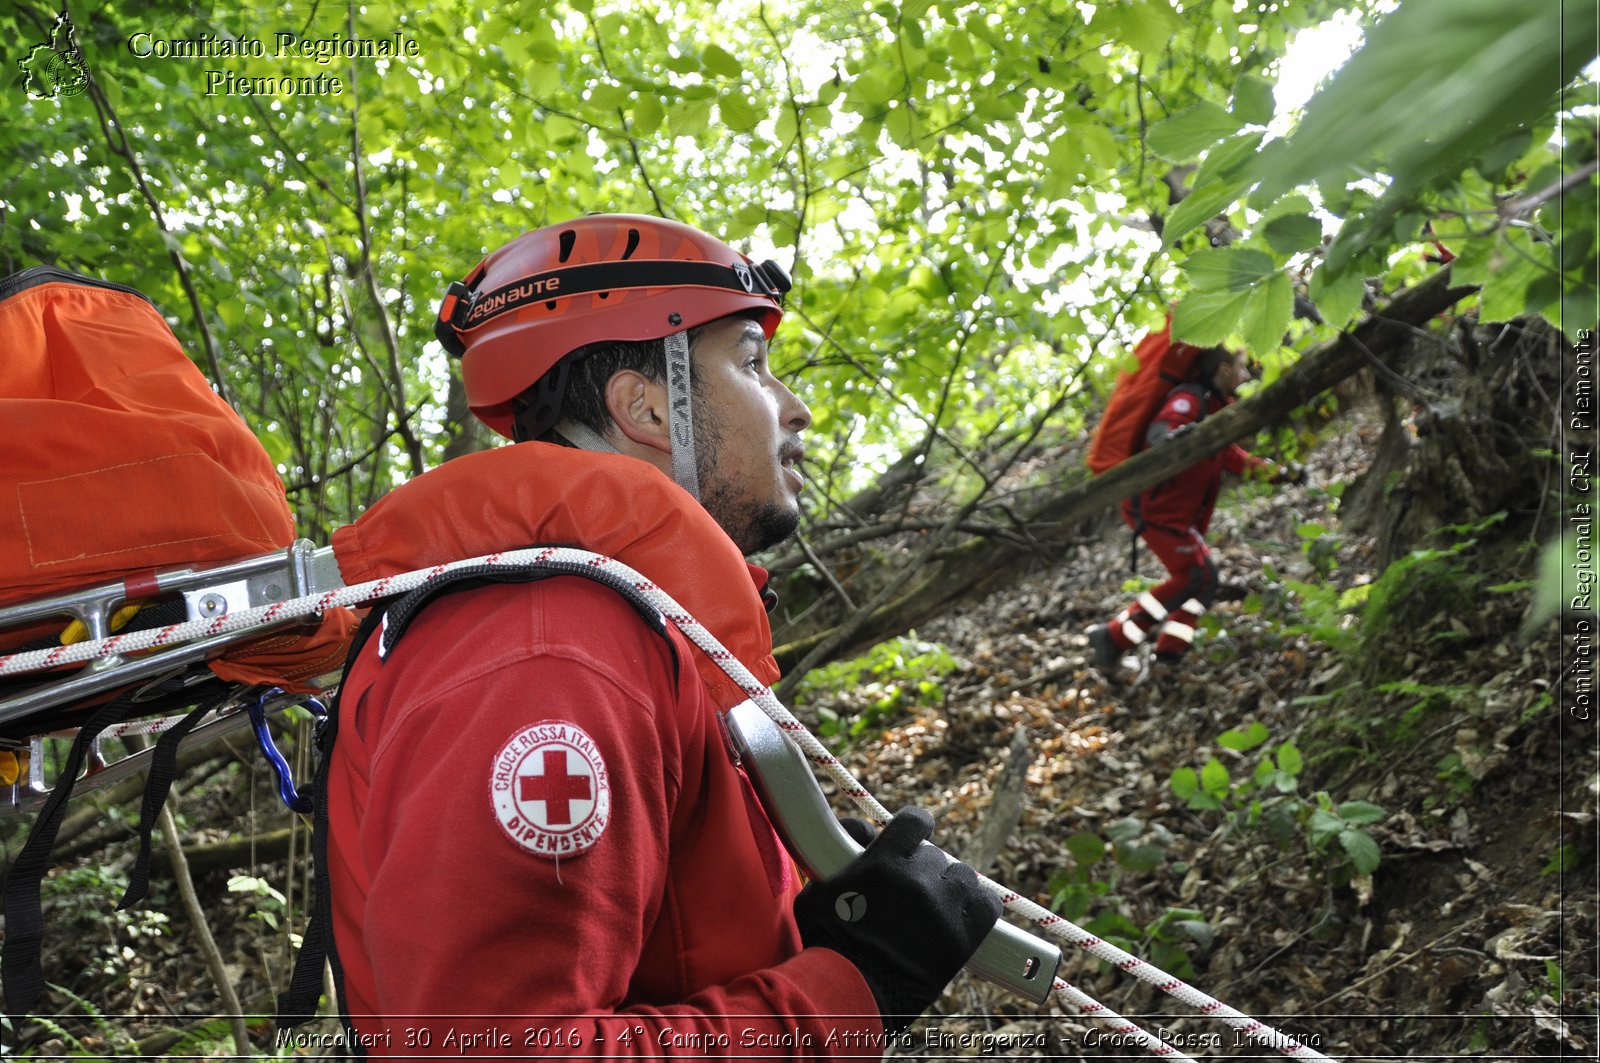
(550, 790)
(556, 788)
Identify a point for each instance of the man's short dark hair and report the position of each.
(589, 369)
(1209, 361)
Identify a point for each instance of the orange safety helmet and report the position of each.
(605, 277)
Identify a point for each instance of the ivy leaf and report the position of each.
(1186, 134)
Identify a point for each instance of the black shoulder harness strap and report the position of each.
(298, 1004)
(20, 957)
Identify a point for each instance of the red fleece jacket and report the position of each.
(538, 839)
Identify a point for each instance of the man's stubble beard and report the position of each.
(753, 526)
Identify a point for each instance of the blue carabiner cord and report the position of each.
(291, 797)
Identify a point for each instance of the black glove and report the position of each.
(902, 912)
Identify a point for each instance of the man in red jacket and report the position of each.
(538, 842)
(1173, 516)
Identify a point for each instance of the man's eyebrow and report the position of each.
(752, 336)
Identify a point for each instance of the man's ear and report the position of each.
(638, 408)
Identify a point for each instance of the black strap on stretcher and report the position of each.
(298, 1004)
(19, 958)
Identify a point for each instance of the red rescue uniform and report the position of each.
(533, 812)
(1172, 518)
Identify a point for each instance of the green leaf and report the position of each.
(1214, 778)
(1204, 202)
(1186, 134)
(1360, 812)
(1231, 269)
(1140, 857)
(901, 126)
(1185, 782)
(1086, 848)
(1289, 760)
(1124, 830)
(1253, 101)
(1243, 741)
(231, 311)
(1434, 85)
(1362, 849)
(1146, 26)
(719, 62)
(1267, 314)
(1337, 293)
(648, 114)
(1564, 859)
(1206, 319)
(276, 446)
(1558, 977)
(1323, 826)
(738, 112)
(690, 118)
(1289, 233)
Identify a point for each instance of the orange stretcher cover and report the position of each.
(119, 458)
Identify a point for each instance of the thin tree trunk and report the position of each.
(202, 930)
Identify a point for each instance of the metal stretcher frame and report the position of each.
(206, 592)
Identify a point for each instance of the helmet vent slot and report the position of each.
(568, 238)
(633, 244)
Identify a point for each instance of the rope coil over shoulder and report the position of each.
(645, 594)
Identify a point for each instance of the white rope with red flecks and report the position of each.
(629, 582)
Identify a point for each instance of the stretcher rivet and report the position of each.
(212, 605)
(274, 592)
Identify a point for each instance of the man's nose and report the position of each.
(793, 413)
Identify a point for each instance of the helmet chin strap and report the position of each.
(680, 414)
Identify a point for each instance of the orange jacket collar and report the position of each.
(538, 494)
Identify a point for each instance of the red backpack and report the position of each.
(119, 459)
(1138, 395)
